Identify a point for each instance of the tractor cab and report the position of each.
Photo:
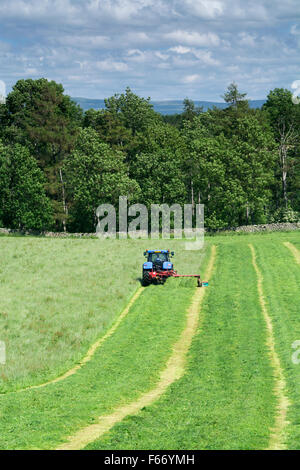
(159, 256)
(158, 259)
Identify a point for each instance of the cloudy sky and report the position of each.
(166, 49)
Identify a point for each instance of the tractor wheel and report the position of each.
(146, 278)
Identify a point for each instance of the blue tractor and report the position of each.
(158, 268)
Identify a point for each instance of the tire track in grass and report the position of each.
(93, 348)
(173, 371)
(294, 251)
(127, 365)
(277, 437)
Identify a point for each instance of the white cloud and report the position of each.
(204, 56)
(162, 56)
(252, 11)
(37, 9)
(191, 78)
(194, 38)
(270, 43)
(261, 79)
(136, 55)
(109, 65)
(152, 44)
(4, 47)
(84, 41)
(120, 10)
(164, 66)
(233, 69)
(138, 37)
(30, 71)
(246, 39)
(2, 88)
(180, 49)
(207, 9)
(295, 85)
(294, 30)
(179, 62)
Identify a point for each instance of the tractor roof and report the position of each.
(157, 251)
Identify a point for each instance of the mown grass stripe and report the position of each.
(294, 251)
(278, 435)
(282, 295)
(173, 371)
(225, 399)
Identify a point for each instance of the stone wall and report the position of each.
(276, 227)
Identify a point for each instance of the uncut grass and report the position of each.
(126, 365)
(282, 291)
(225, 400)
(57, 296)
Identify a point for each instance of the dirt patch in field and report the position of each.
(91, 350)
(294, 250)
(173, 371)
(277, 438)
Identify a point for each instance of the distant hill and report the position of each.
(164, 107)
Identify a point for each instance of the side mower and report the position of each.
(158, 268)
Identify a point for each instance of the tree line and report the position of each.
(58, 163)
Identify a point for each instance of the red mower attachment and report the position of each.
(158, 268)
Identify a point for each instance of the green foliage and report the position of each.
(159, 169)
(190, 111)
(95, 174)
(111, 129)
(232, 175)
(284, 117)
(173, 119)
(242, 163)
(281, 110)
(124, 123)
(136, 113)
(23, 202)
(285, 215)
(233, 97)
(41, 117)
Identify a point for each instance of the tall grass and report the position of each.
(57, 296)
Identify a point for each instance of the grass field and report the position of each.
(60, 296)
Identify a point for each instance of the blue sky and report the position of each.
(165, 49)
